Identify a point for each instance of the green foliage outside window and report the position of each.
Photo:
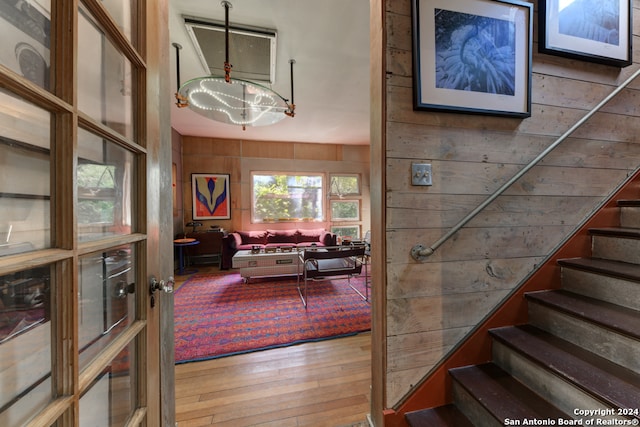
(345, 231)
(345, 210)
(344, 185)
(287, 198)
(96, 190)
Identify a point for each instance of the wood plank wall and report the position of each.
(240, 157)
(432, 305)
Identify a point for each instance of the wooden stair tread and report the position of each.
(620, 319)
(442, 416)
(502, 395)
(628, 202)
(607, 381)
(632, 233)
(620, 269)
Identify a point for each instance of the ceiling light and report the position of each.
(232, 101)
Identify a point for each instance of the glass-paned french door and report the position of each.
(73, 228)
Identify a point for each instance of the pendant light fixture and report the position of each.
(233, 101)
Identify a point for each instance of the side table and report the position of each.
(180, 244)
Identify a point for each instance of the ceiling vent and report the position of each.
(252, 51)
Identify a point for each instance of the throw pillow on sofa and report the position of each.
(312, 236)
(316, 236)
(253, 237)
(275, 237)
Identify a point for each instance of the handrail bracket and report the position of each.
(420, 252)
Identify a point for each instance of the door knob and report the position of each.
(161, 285)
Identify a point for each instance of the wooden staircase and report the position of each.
(580, 351)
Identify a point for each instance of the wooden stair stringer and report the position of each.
(589, 376)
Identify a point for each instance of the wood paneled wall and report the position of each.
(431, 306)
(240, 157)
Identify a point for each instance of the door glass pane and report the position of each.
(106, 304)
(25, 345)
(24, 176)
(104, 79)
(123, 12)
(111, 399)
(26, 39)
(105, 176)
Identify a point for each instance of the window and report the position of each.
(345, 199)
(345, 210)
(345, 185)
(287, 197)
(346, 232)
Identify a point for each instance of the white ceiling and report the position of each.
(328, 39)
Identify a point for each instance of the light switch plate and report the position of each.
(421, 174)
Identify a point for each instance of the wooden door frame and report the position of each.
(161, 379)
(377, 73)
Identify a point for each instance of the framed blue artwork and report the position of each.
(590, 30)
(473, 56)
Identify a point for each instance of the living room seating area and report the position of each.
(247, 240)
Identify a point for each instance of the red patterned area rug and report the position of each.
(218, 315)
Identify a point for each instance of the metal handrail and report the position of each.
(419, 252)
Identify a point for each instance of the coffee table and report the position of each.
(266, 264)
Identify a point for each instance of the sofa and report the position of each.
(245, 240)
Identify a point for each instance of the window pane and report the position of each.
(25, 345)
(345, 210)
(106, 307)
(26, 39)
(105, 177)
(110, 400)
(104, 79)
(123, 13)
(287, 198)
(345, 185)
(24, 176)
(346, 232)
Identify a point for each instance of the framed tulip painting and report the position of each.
(210, 195)
(473, 56)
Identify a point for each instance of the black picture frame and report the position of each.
(596, 31)
(473, 56)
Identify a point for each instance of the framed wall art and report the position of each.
(473, 56)
(590, 30)
(210, 195)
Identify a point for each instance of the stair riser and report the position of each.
(469, 406)
(563, 394)
(616, 248)
(618, 348)
(605, 288)
(630, 217)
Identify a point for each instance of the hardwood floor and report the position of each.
(319, 384)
